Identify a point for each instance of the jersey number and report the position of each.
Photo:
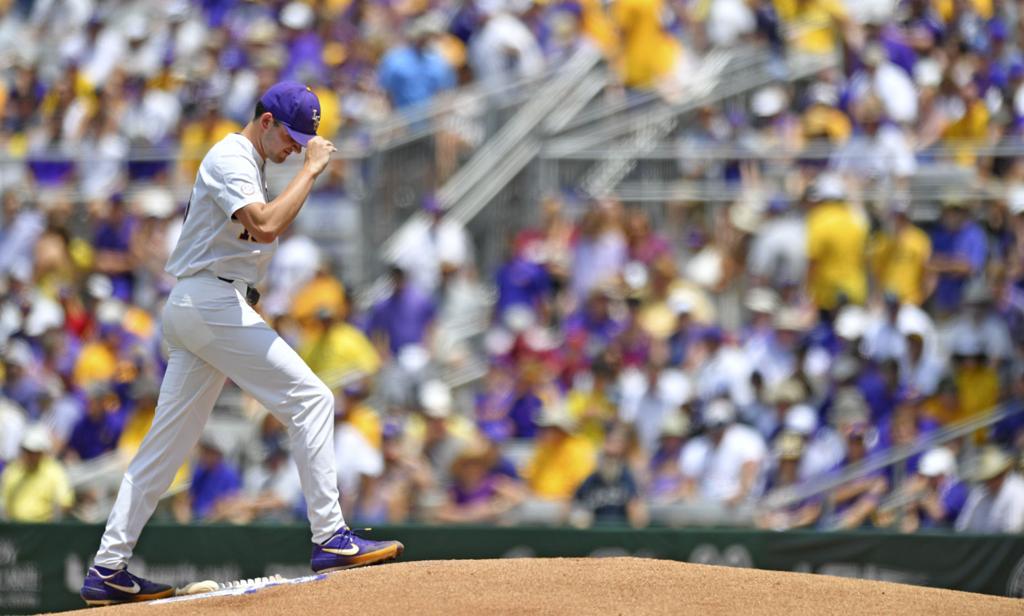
(245, 237)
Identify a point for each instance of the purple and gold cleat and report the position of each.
(345, 550)
(104, 586)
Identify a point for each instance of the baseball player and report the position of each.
(230, 232)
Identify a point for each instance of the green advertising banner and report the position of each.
(42, 566)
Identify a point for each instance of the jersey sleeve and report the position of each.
(237, 181)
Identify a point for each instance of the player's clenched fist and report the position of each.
(318, 154)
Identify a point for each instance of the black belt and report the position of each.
(252, 296)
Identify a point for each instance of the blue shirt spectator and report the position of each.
(413, 73)
(959, 250)
(212, 481)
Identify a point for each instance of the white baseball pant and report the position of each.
(212, 334)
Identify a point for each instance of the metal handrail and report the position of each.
(788, 495)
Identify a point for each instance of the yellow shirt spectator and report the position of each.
(898, 262)
(816, 23)
(367, 422)
(198, 137)
(648, 52)
(599, 28)
(978, 388)
(342, 351)
(945, 8)
(95, 363)
(835, 248)
(560, 465)
(39, 496)
(592, 411)
(967, 133)
(322, 292)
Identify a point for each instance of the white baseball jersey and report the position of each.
(230, 177)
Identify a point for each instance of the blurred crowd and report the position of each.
(636, 369)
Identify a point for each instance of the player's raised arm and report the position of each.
(265, 221)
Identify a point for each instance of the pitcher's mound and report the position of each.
(583, 586)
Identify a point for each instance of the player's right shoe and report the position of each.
(104, 586)
(345, 550)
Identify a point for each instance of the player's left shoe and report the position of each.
(104, 586)
(345, 550)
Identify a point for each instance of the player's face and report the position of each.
(278, 144)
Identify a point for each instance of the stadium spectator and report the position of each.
(395, 495)
(723, 466)
(402, 319)
(611, 494)
(561, 460)
(936, 496)
(479, 491)
(958, 254)
(503, 50)
(357, 454)
(98, 431)
(433, 249)
(413, 72)
(835, 246)
(665, 479)
(899, 253)
(854, 502)
(788, 452)
(35, 487)
(996, 503)
(214, 481)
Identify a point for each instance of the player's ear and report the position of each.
(266, 120)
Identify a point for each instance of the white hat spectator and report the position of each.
(37, 439)
(680, 303)
(801, 419)
(928, 73)
(674, 387)
(851, 322)
(762, 300)
(297, 16)
(719, 413)
(769, 101)
(938, 462)
(436, 399)
(828, 187)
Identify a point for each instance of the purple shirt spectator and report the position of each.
(521, 282)
(524, 413)
(403, 317)
(115, 236)
(210, 484)
(96, 435)
(480, 493)
(966, 243)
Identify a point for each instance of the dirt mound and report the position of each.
(583, 586)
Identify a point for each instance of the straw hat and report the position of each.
(789, 446)
(992, 462)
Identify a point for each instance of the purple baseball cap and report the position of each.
(296, 107)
